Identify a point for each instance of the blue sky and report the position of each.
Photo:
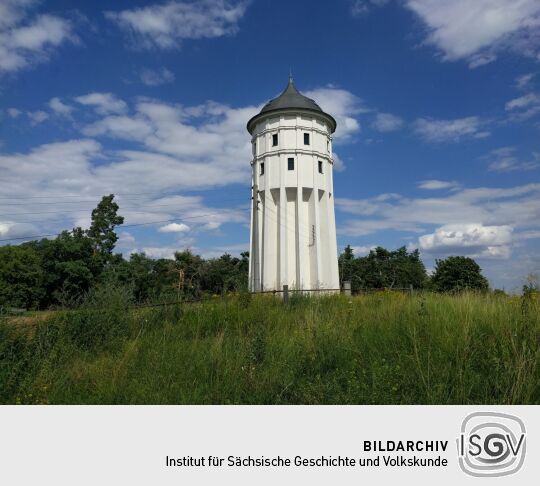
(437, 103)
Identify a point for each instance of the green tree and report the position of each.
(21, 277)
(69, 265)
(104, 220)
(346, 264)
(457, 273)
(383, 268)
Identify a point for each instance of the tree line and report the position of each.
(60, 272)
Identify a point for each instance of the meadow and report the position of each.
(380, 348)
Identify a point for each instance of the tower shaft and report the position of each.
(293, 238)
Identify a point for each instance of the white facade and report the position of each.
(293, 230)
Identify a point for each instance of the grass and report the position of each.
(382, 348)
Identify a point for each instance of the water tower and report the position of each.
(293, 228)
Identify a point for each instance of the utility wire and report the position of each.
(94, 195)
(84, 210)
(32, 237)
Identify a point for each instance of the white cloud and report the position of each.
(59, 107)
(174, 228)
(125, 240)
(523, 102)
(363, 250)
(469, 239)
(477, 30)
(36, 117)
(478, 60)
(524, 80)
(13, 112)
(125, 127)
(504, 159)
(82, 168)
(386, 122)
(361, 7)
(434, 184)
(158, 252)
(450, 130)
(166, 149)
(103, 103)
(339, 165)
(158, 77)
(26, 41)
(524, 107)
(166, 25)
(517, 207)
(343, 106)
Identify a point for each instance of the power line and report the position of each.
(94, 195)
(84, 210)
(33, 237)
(94, 200)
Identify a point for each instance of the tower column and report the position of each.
(316, 282)
(284, 228)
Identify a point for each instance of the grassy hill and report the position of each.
(383, 348)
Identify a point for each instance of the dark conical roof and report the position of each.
(290, 98)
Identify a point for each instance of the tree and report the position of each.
(69, 266)
(21, 277)
(187, 269)
(104, 220)
(383, 268)
(346, 264)
(457, 273)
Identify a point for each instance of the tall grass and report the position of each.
(383, 348)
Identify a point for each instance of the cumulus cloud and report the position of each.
(151, 77)
(477, 31)
(386, 122)
(518, 207)
(166, 25)
(455, 130)
(474, 240)
(83, 169)
(59, 107)
(363, 249)
(166, 149)
(339, 165)
(157, 252)
(343, 106)
(37, 117)
(103, 103)
(27, 40)
(434, 184)
(14, 112)
(174, 228)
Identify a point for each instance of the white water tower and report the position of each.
(293, 227)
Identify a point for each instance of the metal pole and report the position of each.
(285, 294)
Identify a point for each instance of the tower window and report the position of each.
(290, 164)
(262, 169)
(320, 167)
(306, 138)
(274, 139)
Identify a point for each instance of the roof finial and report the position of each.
(290, 75)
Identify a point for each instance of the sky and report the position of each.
(437, 105)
